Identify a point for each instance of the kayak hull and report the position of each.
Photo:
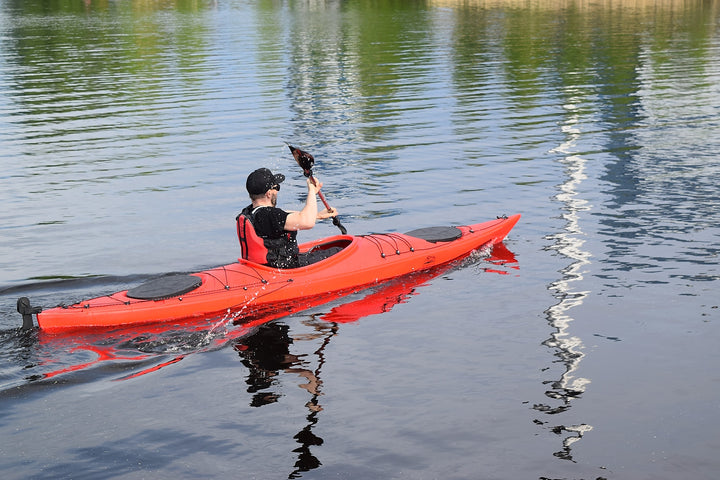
(247, 289)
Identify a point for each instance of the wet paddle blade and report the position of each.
(304, 159)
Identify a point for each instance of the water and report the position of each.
(585, 348)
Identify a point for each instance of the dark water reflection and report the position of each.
(127, 130)
(267, 352)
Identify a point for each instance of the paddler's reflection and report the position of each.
(266, 353)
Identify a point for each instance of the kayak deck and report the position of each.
(249, 288)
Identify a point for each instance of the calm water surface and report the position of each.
(584, 347)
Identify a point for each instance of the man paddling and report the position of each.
(276, 228)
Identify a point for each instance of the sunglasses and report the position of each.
(275, 187)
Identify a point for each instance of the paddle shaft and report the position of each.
(322, 197)
(335, 220)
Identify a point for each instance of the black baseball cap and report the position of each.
(262, 180)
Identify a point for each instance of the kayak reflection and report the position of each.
(397, 291)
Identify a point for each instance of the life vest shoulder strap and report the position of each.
(252, 247)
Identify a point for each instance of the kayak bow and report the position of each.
(249, 289)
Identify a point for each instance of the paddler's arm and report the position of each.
(325, 213)
(322, 214)
(305, 218)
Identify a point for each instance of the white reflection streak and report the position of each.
(569, 242)
(570, 245)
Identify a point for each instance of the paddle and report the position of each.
(306, 161)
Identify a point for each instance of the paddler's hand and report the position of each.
(313, 188)
(327, 213)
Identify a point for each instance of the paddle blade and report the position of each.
(304, 159)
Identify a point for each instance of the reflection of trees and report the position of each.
(356, 70)
(576, 67)
(266, 353)
(86, 70)
(591, 63)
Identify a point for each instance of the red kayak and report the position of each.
(248, 289)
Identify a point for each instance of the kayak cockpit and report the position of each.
(334, 243)
(334, 247)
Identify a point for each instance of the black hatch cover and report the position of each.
(436, 234)
(165, 287)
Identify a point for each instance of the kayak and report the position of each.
(248, 289)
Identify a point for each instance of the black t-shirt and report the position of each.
(270, 222)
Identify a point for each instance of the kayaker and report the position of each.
(277, 228)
